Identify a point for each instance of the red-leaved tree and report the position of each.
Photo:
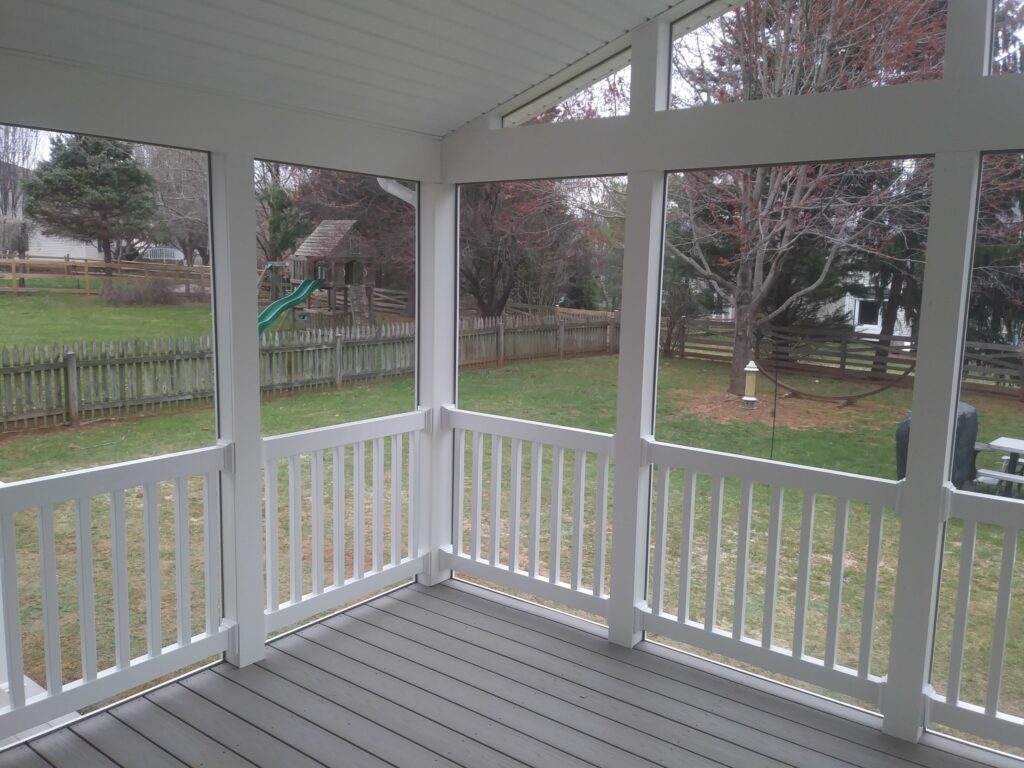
(741, 229)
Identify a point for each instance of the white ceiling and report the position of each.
(423, 65)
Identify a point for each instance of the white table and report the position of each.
(1014, 446)
(1009, 444)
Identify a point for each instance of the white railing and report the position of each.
(689, 534)
(76, 546)
(519, 521)
(999, 522)
(350, 502)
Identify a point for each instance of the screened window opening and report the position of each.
(1008, 37)
(600, 92)
(106, 316)
(790, 302)
(336, 265)
(768, 49)
(540, 271)
(991, 379)
(825, 305)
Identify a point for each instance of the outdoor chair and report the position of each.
(964, 448)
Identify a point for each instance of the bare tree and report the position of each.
(741, 229)
(182, 199)
(17, 154)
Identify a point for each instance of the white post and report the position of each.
(645, 211)
(936, 390)
(437, 321)
(233, 228)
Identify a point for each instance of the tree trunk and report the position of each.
(745, 312)
(108, 254)
(22, 255)
(890, 313)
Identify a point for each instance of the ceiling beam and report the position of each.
(983, 113)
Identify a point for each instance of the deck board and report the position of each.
(192, 747)
(21, 757)
(123, 745)
(697, 686)
(453, 676)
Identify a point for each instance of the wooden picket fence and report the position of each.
(67, 384)
(485, 340)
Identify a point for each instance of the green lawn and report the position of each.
(55, 318)
(691, 410)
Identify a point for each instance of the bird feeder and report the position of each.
(750, 387)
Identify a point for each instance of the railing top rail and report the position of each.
(986, 508)
(820, 481)
(343, 434)
(85, 483)
(533, 431)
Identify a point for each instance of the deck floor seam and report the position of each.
(391, 701)
(689, 701)
(38, 754)
(455, 675)
(450, 700)
(705, 675)
(257, 727)
(75, 728)
(641, 708)
(538, 691)
(638, 706)
(169, 714)
(347, 709)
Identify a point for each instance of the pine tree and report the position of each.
(93, 190)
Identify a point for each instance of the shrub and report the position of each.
(142, 290)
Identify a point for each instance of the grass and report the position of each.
(581, 393)
(56, 318)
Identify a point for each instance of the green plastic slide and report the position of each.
(299, 295)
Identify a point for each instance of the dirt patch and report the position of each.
(792, 412)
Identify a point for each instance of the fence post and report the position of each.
(843, 344)
(71, 387)
(561, 337)
(499, 342)
(339, 347)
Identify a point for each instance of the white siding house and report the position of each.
(53, 247)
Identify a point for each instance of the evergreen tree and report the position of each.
(93, 190)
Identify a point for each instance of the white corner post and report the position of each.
(641, 283)
(236, 346)
(437, 319)
(923, 498)
(924, 495)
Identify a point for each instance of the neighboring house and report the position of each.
(50, 246)
(866, 313)
(54, 247)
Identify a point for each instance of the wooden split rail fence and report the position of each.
(993, 368)
(87, 276)
(66, 384)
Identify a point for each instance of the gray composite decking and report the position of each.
(455, 675)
